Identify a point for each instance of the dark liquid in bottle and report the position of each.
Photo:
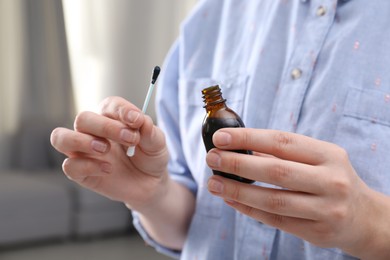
(210, 126)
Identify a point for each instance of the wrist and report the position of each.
(168, 218)
(159, 198)
(153, 195)
(379, 237)
(375, 228)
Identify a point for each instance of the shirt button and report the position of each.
(321, 11)
(296, 73)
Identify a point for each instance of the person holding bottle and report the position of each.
(310, 80)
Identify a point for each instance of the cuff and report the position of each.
(150, 241)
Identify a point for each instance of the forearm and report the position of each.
(167, 222)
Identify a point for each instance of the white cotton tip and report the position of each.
(130, 151)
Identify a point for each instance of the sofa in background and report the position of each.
(44, 205)
(38, 202)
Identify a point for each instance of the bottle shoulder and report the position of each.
(223, 118)
(225, 112)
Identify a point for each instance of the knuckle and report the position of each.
(341, 187)
(106, 103)
(113, 107)
(235, 164)
(246, 138)
(324, 234)
(279, 173)
(340, 153)
(276, 220)
(80, 117)
(249, 211)
(275, 203)
(282, 140)
(235, 192)
(338, 214)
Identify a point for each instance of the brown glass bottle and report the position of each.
(219, 116)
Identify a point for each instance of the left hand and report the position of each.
(322, 199)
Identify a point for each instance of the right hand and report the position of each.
(97, 160)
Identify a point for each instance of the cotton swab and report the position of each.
(131, 150)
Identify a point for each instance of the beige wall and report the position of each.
(115, 44)
(11, 63)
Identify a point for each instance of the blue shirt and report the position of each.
(320, 68)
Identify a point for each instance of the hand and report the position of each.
(96, 152)
(319, 197)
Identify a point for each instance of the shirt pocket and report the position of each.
(364, 131)
(371, 105)
(192, 114)
(232, 87)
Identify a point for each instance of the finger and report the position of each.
(297, 226)
(69, 142)
(120, 109)
(263, 154)
(288, 146)
(104, 127)
(275, 201)
(152, 141)
(287, 174)
(80, 169)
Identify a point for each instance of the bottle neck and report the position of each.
(212, 97)
(215, 107)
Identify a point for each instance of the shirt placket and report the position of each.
(299, 70)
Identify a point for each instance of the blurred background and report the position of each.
(58, 58)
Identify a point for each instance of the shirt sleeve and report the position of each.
(167, 104)
(150, 241)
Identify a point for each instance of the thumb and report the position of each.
(152, 141)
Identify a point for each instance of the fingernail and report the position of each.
(215, 186)
(127, 136)
(213, 159)
(99, 146)
(222, 138)
(106, 167)
(132, 116)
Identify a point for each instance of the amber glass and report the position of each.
(219, 115)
